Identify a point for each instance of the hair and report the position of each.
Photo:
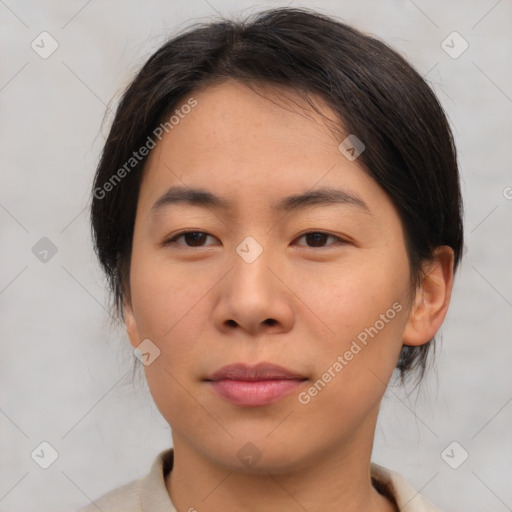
(375, 92)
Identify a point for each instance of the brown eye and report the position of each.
(319, 239)
(191, 238)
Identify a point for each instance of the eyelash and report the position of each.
(184, 233)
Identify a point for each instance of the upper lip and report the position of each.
(260, 371)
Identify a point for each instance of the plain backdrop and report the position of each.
(66, 375)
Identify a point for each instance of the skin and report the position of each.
(205, 307)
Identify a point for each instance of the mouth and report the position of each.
(254, 386)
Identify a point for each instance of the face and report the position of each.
(318, 285)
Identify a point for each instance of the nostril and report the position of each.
(270, 321)
(231, 323)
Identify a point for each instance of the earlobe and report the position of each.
(432, 299)
(131, 324)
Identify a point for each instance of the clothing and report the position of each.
(149, 494)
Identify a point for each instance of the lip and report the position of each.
(254, 386)
(258, 372)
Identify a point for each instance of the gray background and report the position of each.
(65, 373)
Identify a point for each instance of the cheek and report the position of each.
(366, 312)
(365, 309)
(165, 295)
(352, 296)
(171, 309)
(174, 321)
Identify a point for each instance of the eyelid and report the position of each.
(172, 238)
(339, 240)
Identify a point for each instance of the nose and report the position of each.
(254, 298)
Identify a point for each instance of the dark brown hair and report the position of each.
(409, 148)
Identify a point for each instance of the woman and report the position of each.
(278, 211)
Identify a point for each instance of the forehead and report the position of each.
(251, 144)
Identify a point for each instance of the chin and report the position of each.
(260, 458)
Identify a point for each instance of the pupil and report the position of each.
(317, 238)
(194, 238)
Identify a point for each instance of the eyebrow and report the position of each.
(325, 196)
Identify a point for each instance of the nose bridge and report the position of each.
(251, 297)
(250, 250)
(251, 263)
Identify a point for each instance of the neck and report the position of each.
(333, 482)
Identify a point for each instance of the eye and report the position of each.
(319, 239)
(198, 239)
(191, 238)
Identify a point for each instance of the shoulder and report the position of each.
(125, 498)
(148, 493)
(405, 495)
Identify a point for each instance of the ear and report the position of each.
(432, 299)
(131, 324)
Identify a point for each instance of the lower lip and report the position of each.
(254, 393)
